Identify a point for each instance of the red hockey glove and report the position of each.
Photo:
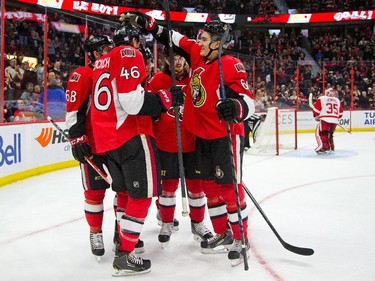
(165, 98)
(81, 148)
(230, 110)
(177, 96)
(144, 22)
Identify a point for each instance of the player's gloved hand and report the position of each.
(177, 96)
(81, 148)
(144, 22)
(317, 119)
(165, 98)
(230, 110)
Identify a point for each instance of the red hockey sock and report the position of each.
(196, 198)
(94, 209)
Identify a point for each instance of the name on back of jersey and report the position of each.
(102, 63)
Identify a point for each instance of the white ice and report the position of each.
(321, 202)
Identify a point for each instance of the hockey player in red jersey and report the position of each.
(121, 113)
(80, 131)
(327, 110)
(166, 140)
(206, 116)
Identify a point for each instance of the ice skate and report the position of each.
(322, 152)
(165, 233)
(218, 244)
(200, 231)
(97, 245)
(126, 263)
(235, 255)
(176, 223)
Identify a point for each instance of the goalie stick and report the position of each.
(291, 248)
(312, 107)
(107, 177)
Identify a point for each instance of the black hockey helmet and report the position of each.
(96, 43)
(147, 54)
(217, 30)
(125, 33)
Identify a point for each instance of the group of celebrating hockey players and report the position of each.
(125, 123)
(123, 119)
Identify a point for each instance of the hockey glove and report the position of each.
(81, 148)
(317, 119)
(230, 110)
(144, 22)
(165, 98)
(177, 96)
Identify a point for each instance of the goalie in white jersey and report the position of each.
(327, 110)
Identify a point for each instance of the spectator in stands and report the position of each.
(28, 76)
(23, 113)
(28, 94)
(15, 73)
(56, 101)
(37, 91)
(8, 88)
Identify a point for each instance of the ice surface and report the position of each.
(320, 202)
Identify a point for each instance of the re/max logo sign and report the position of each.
(10, 153)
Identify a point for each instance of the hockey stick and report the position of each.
(231, 153)
(176, 113)
(294, 249)
(107, 177)
(312, 107)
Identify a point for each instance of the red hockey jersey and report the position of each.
(78, 93)
(165, 126)
(200, 115)
(118, 95)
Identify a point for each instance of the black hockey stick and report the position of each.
(234, 176)
(176, 113)
(107, 177)
(291, 248)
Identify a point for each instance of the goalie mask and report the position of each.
(96, 43)
(331, 92)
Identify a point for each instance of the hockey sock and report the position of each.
(167, 200)
(94, 209)
(132, 221)
(196, 198)
(216, 206)
(229, 196)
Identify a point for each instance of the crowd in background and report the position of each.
(259, 7)
(334, 55)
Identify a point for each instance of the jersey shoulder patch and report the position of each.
(74, 77)
(127, 52)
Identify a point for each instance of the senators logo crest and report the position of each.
(198, 92)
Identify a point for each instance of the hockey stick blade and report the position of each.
(291, 248)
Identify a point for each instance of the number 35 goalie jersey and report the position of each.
(118, 95)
